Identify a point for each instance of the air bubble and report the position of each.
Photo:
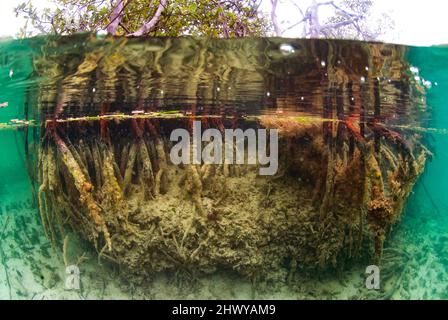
(101, 33)
(414, 70)
(286, 49)
(427, 84)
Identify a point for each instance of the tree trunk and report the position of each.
(314, 20)
(116, 18)
(150, 25)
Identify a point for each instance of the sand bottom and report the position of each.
(415, 267)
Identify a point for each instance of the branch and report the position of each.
(147, 27)
(345, 12)
(298, 7)
(325, 3)
(116, 18)
(221, 15)
(295, 24)
(277, 30)
(125, 28)
(339, 24)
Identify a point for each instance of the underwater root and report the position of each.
(328, 205)
(83, 186)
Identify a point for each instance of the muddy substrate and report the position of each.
(332, 201)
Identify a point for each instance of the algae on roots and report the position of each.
(316, 211)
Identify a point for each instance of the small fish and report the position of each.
(3, 104)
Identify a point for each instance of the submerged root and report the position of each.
(45, 204)
(129, 167)
(42, 188)
(328, 187)
(83, 186)
(194, 187)
(160, 179)
(326, 205)
(146, 172)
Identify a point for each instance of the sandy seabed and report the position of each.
(32, 269)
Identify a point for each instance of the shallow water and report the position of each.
(100, 89)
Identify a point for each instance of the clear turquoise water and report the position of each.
(425, 223)
(15, 185)
(433, 63)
